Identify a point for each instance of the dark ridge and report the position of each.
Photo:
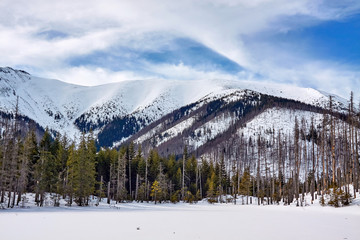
(244, 110)
(118, 129)
(9, 69)
(86, 126)
(26, 124)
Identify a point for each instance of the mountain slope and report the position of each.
(211, 121)
(118, 111)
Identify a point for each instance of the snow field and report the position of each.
(182, 221)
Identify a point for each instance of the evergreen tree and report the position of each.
(45, 170)
(121, 179)
(155, 191)
(81, 166)
(245, 184)
(33, 158)
(163, 185)
(211, 193)
(45, 175)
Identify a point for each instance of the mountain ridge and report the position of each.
(71, 109)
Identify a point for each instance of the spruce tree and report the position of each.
(81, 165)
(155, 191)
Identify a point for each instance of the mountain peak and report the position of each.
(70, 108)
(10, 70)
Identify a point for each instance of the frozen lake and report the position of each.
(182, 221)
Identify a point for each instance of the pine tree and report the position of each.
(155, 191)
(71, 173)
(183, 173)
(62, 155)
(211, 193)
(130, 157)
(45, 175)
(121, 179)
(245, 184)
(33, 158)
(24, 166)
(163, 185)
(81, 166)
(45, 170)
(191, 174)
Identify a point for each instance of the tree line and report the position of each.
(269, 168)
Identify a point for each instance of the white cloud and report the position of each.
(327, 76)
(22, 47)
(182, 72)
(94, 25)
(91, 76)
(218, 24)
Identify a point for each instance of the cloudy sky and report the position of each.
(309, 43)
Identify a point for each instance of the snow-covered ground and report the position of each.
(280, 119)
(211, 129)
(182, 221)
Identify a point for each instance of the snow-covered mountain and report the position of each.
(118, 111)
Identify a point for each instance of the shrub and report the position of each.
(175, 197)
(339, 198)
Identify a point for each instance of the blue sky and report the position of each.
(309, 43)
(177, 51)
(336, 40)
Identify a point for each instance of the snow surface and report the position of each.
(57, 104)
(282, 120)
(211, 130)
(182, 221)
(149, 134)
(175, 130)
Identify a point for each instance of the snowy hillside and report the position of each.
(69, 108)
(281, 119)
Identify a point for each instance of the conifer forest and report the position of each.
(271, 170)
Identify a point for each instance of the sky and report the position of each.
(308, 43)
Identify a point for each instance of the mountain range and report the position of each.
(165, 114)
